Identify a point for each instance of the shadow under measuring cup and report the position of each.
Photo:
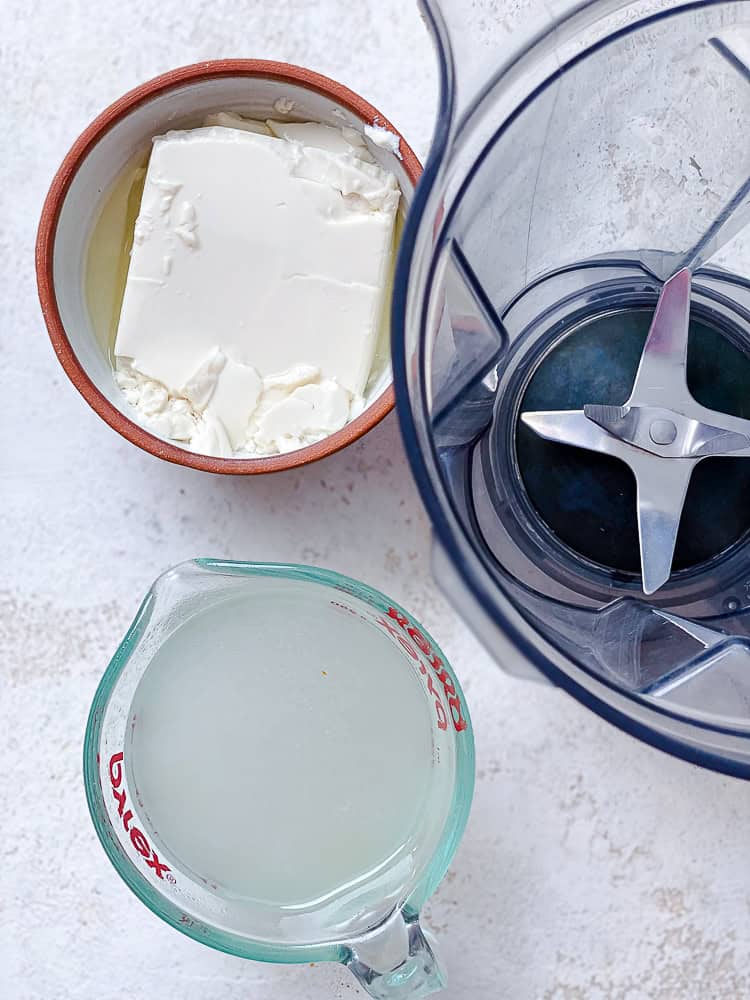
(279, 762)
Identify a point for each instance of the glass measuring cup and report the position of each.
(314, 826)
(577, 165)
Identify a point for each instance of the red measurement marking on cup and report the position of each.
(137, 838)
(454, 702)
(427, 653)
(442, 717)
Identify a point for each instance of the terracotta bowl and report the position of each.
(176, 100)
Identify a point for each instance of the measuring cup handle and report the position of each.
(397, 961)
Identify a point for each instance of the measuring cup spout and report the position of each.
(396, 961)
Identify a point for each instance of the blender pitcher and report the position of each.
(279, 763)
(571, 355)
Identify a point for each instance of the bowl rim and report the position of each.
(47, 233)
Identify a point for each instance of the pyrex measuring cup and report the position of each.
(279, 763)
(581, 452)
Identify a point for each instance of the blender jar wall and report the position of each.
(603, 156)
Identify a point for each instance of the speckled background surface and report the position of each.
(592, 867)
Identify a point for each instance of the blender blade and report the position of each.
(661, 432)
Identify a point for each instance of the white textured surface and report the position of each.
(593, 868)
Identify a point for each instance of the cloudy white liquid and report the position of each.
(283, 750)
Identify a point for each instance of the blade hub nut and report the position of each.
(662, 431)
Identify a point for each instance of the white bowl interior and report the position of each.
(182, 107)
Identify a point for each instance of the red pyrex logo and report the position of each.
(137, 837)
(454, 703)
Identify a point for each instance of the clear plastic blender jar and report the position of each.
(571, 355)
